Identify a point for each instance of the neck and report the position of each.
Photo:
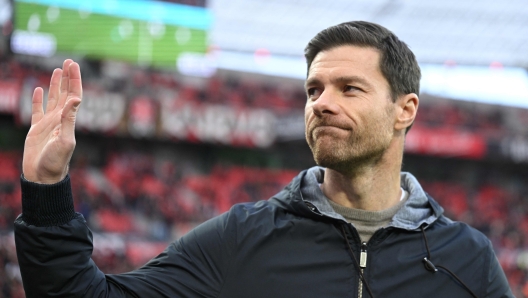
(371, 187)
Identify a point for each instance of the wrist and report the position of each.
(45, 180)
(47, 204)
(46, 177)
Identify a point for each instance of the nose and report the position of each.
(325, 104)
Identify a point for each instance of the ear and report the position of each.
(406, 107)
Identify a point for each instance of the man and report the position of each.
(354, 227)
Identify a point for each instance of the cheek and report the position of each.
(308, 112)
(364, 113)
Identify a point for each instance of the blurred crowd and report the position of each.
(131, 81)
(136, 204)
(137, 194)
(245, 92)
(147, 201)
(500, 213)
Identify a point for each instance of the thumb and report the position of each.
(69, 115)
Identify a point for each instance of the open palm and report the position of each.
(51, 139)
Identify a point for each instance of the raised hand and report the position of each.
(51, 139)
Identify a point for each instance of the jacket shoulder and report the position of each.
(261, 211)
(472, 245)
(461, 232)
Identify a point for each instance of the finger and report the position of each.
(75, 82)
(36, 107)
(65, 80)
(54, 89)
(69, 115)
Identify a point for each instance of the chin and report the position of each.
(346, 162)
(328, 159)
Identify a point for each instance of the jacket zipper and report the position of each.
(363, 249)
(362, 265)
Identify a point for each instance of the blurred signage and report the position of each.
(141, 10)
(9, 95)
(174, 115)
(445, 142)
(100, 111)
(5, 12)
(290, 127)
(33, 43)
(515, 148)
(138, 31)
(197, 65)
(142, 115)
(106, 112)
(24, 111)
(217, 123)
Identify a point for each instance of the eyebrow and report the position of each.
(341, 79)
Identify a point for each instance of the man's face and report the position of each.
(349, 113)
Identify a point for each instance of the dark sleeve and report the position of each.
(497, 282)
(54, 248)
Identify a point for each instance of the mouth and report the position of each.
(327, 130)
(328, 127)
(331, 126)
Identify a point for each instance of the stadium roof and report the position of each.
(469, 32)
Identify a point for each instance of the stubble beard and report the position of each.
(362, 148)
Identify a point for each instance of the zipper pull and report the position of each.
(363, 255)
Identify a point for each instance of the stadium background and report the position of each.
(191, 106)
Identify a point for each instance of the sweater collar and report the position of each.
(418, 209)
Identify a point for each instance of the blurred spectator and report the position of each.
(140, 202)
(141, 197)
(239, 93)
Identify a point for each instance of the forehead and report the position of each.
(347, 61)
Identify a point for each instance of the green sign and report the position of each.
(45, 30)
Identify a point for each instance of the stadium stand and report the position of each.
(137, 200)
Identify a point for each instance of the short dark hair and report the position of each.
(397, 62)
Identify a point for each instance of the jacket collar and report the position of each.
(304, 196)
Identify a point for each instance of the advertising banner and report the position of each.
(515, 148)
(142, 117)
(9, 95)
(445, 142)
(217, 123)
(101, 111)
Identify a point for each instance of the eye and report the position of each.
(313, 92)
(350, 88)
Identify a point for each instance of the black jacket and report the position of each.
(287, 246)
